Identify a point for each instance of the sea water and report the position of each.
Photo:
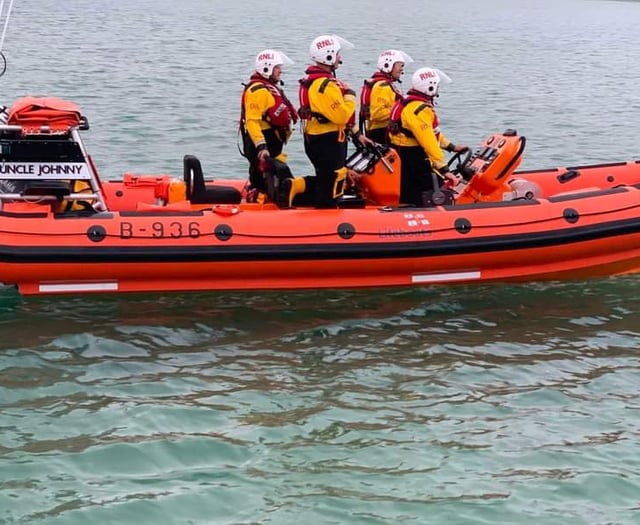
(479, 404)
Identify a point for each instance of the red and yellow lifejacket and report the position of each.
(395, 120)
(281, 114)
(314, 73)
(365, 94)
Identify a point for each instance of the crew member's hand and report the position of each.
(455, 179)
(263, 153)
(344, 86)
(364, 140)
(460, 147)
(350, 97)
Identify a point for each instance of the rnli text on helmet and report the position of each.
(266, 56)
(427, 75)
(324, 43)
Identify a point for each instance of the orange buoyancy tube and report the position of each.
(497, 158)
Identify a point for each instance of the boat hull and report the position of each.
(244, 248)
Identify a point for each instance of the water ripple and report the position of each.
(416, 399)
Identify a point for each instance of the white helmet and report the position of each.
(388, 58)
(427, 80)
(268, 59)
(324, 49)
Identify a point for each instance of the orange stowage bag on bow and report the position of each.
(31, 113)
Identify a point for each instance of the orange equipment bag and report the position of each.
(32, 113)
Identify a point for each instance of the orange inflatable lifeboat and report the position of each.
(65, 230)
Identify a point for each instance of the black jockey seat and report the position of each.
(56, 188)
(200, 193)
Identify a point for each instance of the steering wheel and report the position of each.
(459, 161)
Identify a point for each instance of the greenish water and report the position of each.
(483, 405)
(474, 405)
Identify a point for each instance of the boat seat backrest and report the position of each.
(55, 188)
(199, 192)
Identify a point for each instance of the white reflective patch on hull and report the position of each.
(78, 287)
(444, 277)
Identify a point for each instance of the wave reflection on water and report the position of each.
(489, 404)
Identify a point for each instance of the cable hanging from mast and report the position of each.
(6, 16)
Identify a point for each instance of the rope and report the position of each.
(6, 20)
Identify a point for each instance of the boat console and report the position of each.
(488, 170)
(376, 171)
(490, 166)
